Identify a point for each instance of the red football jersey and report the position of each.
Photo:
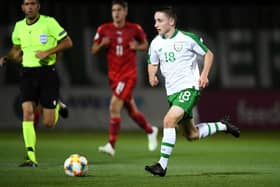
(121, 59)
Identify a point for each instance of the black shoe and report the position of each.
(156, 169)
(28, 163)
(232, 129)
(63, 111)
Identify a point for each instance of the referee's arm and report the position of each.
(15, 54)
(63, 44)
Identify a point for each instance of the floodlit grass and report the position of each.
(253, 160)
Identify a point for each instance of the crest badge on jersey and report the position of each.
(178, 46)
(43, 38)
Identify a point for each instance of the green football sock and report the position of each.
(210, 128)
(29, 139)
(167, 145)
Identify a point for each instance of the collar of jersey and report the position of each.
(174, 34)
(34, 21)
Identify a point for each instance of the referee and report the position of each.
(36, 40)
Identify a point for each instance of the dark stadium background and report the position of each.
(245, 83)
(244, 36)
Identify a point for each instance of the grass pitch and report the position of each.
(220, 160)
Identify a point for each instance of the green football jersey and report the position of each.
(41, 35)
(178, 58)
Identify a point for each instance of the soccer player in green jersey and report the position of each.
(36, 40)
(177, 54)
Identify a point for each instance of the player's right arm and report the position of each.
(100, 40)
(152, 72)
(96, 47)
(153, 64)
(15, 54)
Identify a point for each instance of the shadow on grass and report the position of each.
(224, 173)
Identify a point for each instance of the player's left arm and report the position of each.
(208, 61)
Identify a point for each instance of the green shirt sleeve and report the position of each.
(15, 36)
(56, 30)
(197, 40)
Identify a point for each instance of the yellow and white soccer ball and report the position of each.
(76, 165)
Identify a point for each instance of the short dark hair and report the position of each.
(169, 11)
(38, 1)
(120, 2)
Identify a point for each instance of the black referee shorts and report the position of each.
(40, 85)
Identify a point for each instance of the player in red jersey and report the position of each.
(122, 39)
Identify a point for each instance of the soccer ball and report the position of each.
(76, 165)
